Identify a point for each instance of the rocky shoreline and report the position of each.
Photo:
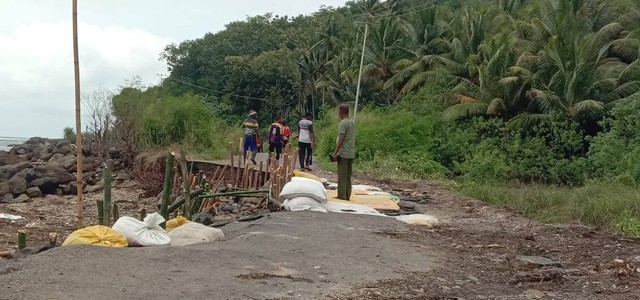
(41, 167)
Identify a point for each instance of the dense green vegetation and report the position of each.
(532, 104)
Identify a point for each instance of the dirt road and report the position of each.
(475, 254)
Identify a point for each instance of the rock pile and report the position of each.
(46, 166)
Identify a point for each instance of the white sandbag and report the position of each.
(419, 219)
(147, 233)
(302, 204)
(362, 187)
(304, 187)
(194, 233)
(351, 209)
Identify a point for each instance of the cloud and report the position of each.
(37, 90)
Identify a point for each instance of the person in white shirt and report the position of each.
(306, 141)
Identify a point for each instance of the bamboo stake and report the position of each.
(100, 212)
(285, 163)
(116, 214)
(278, 187)
(233, 171)
(106, 176)
(79, 142)
(206, 202)
(256, 176)
(22, 239)
(216, 173)
(296, 152)
(168, 175)
(245, 178)
(176, 181)
(269, 165)
(261, 174)
(251, 175)
(199, 179)
(185, 184)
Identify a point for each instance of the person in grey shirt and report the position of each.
(345, 152)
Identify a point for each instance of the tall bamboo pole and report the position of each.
(76, 69)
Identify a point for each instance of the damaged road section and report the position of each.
(300, 255)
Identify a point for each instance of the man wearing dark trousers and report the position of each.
(345, 152)
(306, 140)
(275, 137)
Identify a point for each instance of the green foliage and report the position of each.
(69, 134)
(615, 153)
(162, 120)
(611, 205)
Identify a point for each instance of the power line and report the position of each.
(365, 14)
(217, 92)
(394, 14)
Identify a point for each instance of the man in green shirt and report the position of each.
(345, 152)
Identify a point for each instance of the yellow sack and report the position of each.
(96, 235)
(299, 173)
(176, 222)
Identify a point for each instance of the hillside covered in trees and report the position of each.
(526, 103)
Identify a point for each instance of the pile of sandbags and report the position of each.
(193, 233)
(303, 193)
(96, 235)
(143, 233)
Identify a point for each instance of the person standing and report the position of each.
(251, 137)
(275, 137)
(286, 133)
(345, 152)
(306, 141)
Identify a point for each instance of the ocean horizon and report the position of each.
(6, 142)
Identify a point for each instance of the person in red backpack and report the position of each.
(286, 133)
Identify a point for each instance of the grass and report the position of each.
(610, 205)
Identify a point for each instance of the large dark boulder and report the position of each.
(9, 171)
(47, 185)
(34, 192)
(36, 141)
(29, 174)
(39, 152)
(68, 162)
(19, 150)
(14, 186)
(64, 148)
(7, 158)
(56, 171)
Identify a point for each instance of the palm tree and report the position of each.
(427, 50)
(577, 73)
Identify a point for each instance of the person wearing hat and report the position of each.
(251, 136)
(306, 140)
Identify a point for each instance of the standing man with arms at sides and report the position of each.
(306, 140)
(251, 136)
(275, 137)
(345, 152)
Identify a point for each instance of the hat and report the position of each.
(252, 112)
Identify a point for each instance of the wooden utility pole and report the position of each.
(79, 142)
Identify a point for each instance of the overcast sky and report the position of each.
(118, 39)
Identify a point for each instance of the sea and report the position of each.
(7, 142)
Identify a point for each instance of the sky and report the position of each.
(118, 39)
